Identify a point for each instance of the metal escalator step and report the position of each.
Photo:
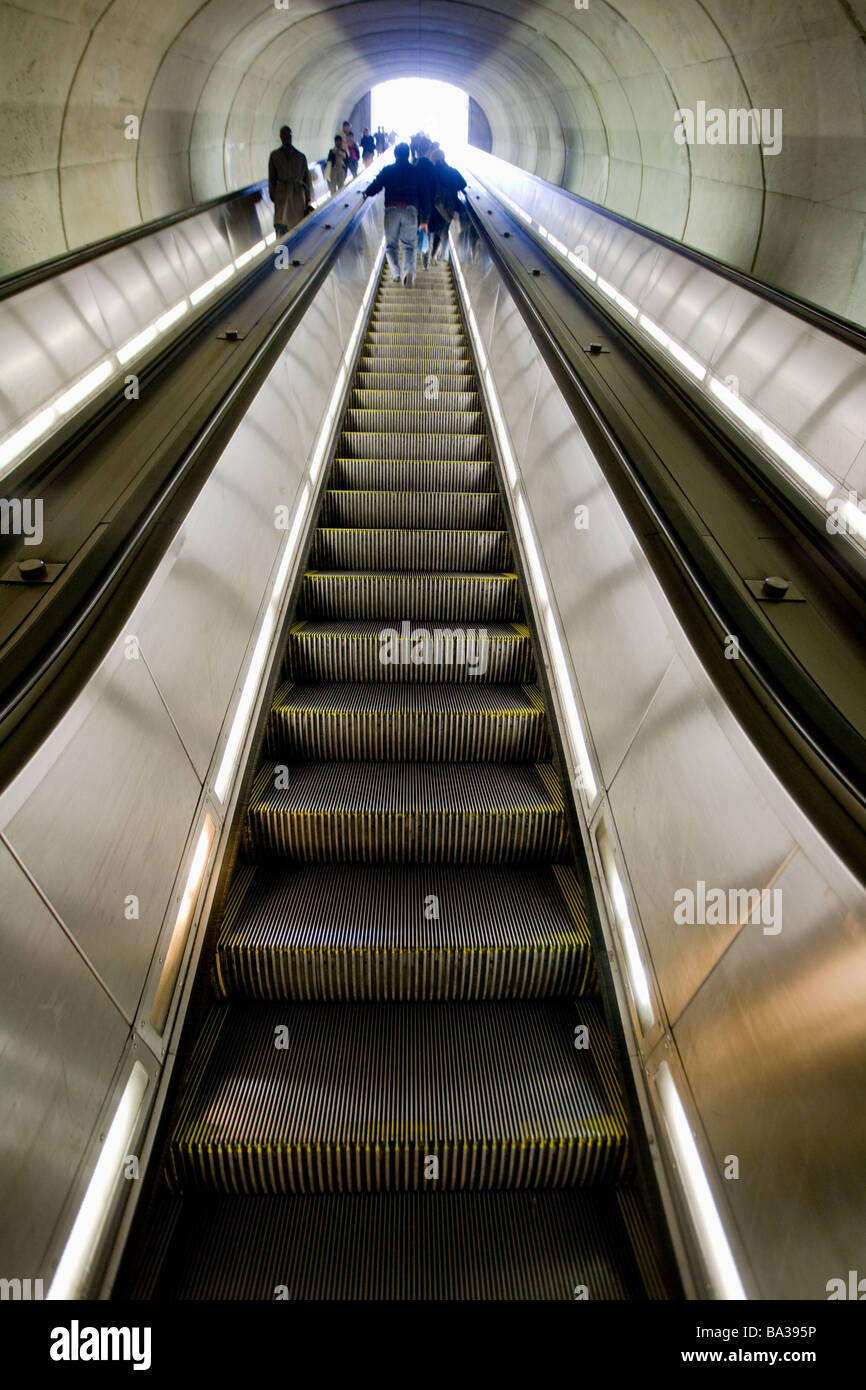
(412, 475)
(344, 1097)
(360, 931)
(399, 723)
(466, 1246)
(408, 813)
(380, 548)
(438, 340)
(376, 444)
(462, 598)
(333, 651)
(391, 360)
(387, 318)
(405, 379)
(428, 420)
(479, 511)
(406, 401)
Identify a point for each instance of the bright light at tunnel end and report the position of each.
(408, 104)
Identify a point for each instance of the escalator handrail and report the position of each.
(848, 331)
(762, 656)
(31, 275)
(22, 726)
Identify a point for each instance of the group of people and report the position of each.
(422, 191)
(422, 195)
(346, 154)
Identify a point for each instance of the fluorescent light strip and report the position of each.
(580, 264)
(568, 703)
(855, 520)
(256, 667)
(723, 1271)
(172, 315)
(136, 344)
(213, 283)
(71, 1274)
(180, 933)
(531, 550)
(796, 462)
(637, 976)
(247, 256)
(26, 435)
(84, 387)
(671, 345)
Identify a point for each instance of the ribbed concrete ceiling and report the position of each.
(582, 97)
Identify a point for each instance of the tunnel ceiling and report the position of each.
(583, 97)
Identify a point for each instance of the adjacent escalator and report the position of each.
(403, 1086)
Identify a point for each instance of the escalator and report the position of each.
(403, 1085)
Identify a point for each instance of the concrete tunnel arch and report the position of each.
(583, 97)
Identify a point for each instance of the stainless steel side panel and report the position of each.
(62, 1042)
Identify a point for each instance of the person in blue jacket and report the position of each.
(407, 209)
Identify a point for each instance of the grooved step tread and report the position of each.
(377, 932)
(480, 511)
(411, 549)
(460, 598)
(461, 1246)
(359, 1097)
(412, 475)
(394, 722)
(404, 651)
(408, 812)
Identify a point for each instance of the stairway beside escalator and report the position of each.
(403, 1086)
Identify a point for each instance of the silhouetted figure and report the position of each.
(407, 207)
(448, 185)
(289, 184)
(335, 168)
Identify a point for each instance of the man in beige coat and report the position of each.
(289, 184)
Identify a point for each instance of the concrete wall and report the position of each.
(583, 97)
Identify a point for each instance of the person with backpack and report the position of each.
(449, 183)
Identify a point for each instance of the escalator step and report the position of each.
(394, 398)
(447, 448)
(457, 598)
(358, 651)
(480, 511)
(366, 1097)
(407, 813)
(401, 723)
(369, 548)
(397, 359)
(412, 475)
(415, 382)
(467, 1246)
(429, 318)
(429, 420)
(368, 932)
